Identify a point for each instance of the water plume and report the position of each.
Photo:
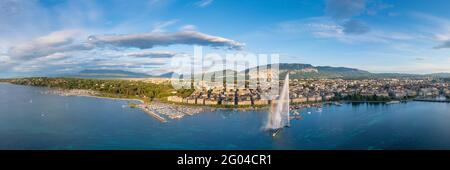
(279, 110)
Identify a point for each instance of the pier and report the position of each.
(160, 118)
(432, 100)
(153, 114)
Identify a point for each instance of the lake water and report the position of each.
(31, 120)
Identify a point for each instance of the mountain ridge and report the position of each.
(296, 70)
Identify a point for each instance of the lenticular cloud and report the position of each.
(152, 39)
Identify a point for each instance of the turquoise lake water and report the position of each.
(32, 120)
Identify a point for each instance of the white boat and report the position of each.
(276, 132)
(393, 102)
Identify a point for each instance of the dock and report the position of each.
(432, 100)
(156, 116)
(153, 114)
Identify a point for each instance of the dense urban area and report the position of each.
(301, 90)
(159, 99)
(319, 90)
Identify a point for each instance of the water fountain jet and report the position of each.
(279, 110)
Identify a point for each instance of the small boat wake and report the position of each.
(275, 132)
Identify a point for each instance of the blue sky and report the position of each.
(43, 37)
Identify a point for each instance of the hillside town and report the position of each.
(320, 90)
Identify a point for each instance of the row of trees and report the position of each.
(108, 88)
(359, 97)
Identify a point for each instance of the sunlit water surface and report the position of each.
(32, 120)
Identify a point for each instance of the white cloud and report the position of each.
(203, 3)
(325, 27)
(442, 36)
(151, 54)
(66, 50)
(378, 6)
(445, 44)
(437, 27)
(160, 26)
(105, 59)
(421, 67)
(354, 26)
(59, 41)
(48, 38)
(19, 18)
(344, 13)
(188, 28)
(152, 39)
(4, 59)
(39, 63)
(343, 9)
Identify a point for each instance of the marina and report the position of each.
(152, 113)
(164, 111)
(98, 123)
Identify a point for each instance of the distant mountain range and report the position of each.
(308, 71)
(111, 73)
(107, 73)
(167, 75)
(296, 70)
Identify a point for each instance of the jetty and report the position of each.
(432, 100)
(153, 114)
(158, 117)
(393, 102)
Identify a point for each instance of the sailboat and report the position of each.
(279, 111)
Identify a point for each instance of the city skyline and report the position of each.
(42, 37)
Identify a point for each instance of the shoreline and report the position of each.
(84, 93)
(161, 111)
(111, 98)
(248, 108)
(266, 107)
(165, 111)
(94, 94)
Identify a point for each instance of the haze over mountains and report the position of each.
(111, 73)
(296, 70)
(309, 71)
